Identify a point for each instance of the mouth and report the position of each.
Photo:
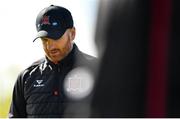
(54, 52)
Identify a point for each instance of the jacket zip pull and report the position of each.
(56, 92)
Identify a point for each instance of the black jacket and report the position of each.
(39, 92)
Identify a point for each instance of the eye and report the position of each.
(44, 40)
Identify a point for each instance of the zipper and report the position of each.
(58, 69)
(56, 81)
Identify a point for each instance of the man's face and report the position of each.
(56, 50)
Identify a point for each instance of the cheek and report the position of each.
(67, 46)
(64, 45)
(45, 49)
(44, 45)
(69, 43)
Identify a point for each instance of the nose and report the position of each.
(50, 44)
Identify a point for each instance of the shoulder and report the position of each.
(36, 63)
(82, 57)
(86, 61)
(26, 72)
(90, 59)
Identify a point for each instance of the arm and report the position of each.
(18, 104)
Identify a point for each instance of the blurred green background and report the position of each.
(7, 80)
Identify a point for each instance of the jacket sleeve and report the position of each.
(18, 104)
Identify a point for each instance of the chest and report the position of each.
(45, 87)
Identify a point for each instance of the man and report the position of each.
(39, 91)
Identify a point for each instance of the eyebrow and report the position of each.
(43, 38)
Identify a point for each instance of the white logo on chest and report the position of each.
(39, 83)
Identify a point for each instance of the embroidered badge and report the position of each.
(45, 20)
(39, 83)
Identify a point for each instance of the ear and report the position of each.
(72, 33)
